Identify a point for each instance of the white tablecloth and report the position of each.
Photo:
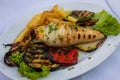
(12, 10)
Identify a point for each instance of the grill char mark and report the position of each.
(79, 36)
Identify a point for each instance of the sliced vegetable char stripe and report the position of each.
(82, 15)
(36, 58)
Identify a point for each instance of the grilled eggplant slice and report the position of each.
(35, 58)
(87, 23)
(82, 15)
(36, 61)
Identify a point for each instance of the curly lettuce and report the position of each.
(25, 70)
(16, 57)
(107, 24)
(31, 73)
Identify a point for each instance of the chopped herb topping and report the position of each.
(115, 45)
(70, 68)
(89, 58)
(34, 41)
(41, 30)
(59, 35)
(91, 48)
(74, 26)
(54, 41)
(52, 27)
(31, 56)
(34, 48)
(40, 56)
(59, 51)
(109, 44)
(46, 36)
(50, 62)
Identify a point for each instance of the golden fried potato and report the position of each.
(65, 14)
(44, 18)
(33, 23)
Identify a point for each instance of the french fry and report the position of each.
(37, 20)
(54, 15)
(55, 20)
(55, 7)
(54, 12)
(65, 15)
(33, 23)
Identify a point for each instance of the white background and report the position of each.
(12, 10)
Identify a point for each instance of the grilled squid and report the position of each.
(67, 34)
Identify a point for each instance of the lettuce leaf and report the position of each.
(16, 57)
(107, 24)
(25, 70)
(31, 73)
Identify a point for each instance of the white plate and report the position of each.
(84, 63)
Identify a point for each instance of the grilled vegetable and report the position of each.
(84, 18)
(35, 58)
(88, 22)
(90, 46)
(66, 15)
(62, 55)
(82, 15)
(34, 22)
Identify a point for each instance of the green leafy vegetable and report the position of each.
(107, 24)
(16, 57)
(31, 73)
(25, 70)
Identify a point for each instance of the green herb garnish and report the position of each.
(109, 44)
(74, 26)
(46, 36)
(52, 27)
(54, 41)
(70, 68)
(91, 48)
(89, 57)
(41, 30)
(115, 45)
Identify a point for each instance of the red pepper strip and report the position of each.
(62, 55)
